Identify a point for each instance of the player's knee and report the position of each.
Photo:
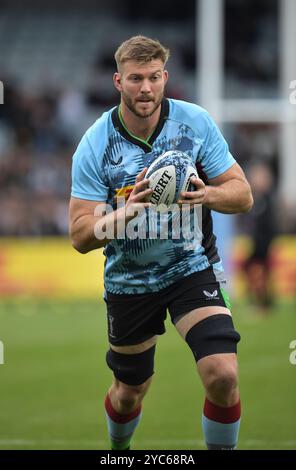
(130, 396)
(221, 380)
(132, 369)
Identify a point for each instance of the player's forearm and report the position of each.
(91, 232)
(231, 197)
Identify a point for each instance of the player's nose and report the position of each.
(145, 86)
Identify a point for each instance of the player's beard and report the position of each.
(129, 104)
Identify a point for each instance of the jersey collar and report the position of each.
(146, 145)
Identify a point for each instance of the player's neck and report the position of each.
(142, 128)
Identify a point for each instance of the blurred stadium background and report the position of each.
(236, 58)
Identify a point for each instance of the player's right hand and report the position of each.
(137, 200)
(140, 190)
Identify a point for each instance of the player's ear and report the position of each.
(117, 81)
(165, 76)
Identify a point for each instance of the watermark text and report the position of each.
(134, 221)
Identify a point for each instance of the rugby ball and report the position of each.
(169, 175)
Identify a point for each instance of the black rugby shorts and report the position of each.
(135, 318)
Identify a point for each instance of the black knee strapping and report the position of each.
(132, 369)
(213, 335)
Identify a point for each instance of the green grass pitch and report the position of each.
(54, 379)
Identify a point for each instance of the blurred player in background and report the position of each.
(146, 277)
(263, 227)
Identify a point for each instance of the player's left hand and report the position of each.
(194, 197)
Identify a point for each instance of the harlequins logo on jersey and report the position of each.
(123, 192)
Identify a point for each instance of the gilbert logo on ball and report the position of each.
(161, 185)
(169, 175)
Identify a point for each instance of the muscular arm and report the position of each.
(229, 193)
(91, 227)
(83, 224)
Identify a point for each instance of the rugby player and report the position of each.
(145, 278)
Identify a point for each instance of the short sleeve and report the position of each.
(88, 180)
(214, 154)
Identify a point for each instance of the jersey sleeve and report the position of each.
(214, 155)
(88, 178)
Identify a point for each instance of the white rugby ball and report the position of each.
(169, 175)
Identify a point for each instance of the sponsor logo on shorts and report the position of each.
(211, 295)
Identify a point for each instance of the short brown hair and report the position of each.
(141, 49)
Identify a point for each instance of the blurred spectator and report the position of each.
(71, 112)
(262, 227)
(35, 161)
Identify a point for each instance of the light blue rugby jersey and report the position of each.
(109, 158)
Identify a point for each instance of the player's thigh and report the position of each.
(136, 348)
(210, 334)
(134, 321)
(198, 296)
(212, 338)
(201, 314)
(190, 319)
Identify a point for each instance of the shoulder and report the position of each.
(192, 115)
(94, 141)
(98, 134)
